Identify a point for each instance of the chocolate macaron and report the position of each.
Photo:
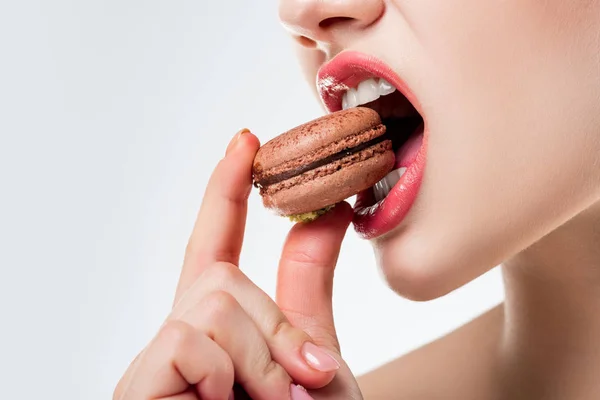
(307, 170)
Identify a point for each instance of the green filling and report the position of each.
(310, 216)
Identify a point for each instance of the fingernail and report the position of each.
(318, 358)
(235, 141)
(299, 393)
(231, 396)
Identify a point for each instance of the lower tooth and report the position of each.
(384, 186)
(381, 189)
(369, 210)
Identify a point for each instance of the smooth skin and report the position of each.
(510, 91)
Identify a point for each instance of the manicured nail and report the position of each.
(235, 141)
(319, 358)
(299, 393)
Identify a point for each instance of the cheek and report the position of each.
(512, 105)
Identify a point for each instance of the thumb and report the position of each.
(305, 278)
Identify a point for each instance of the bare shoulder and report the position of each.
(459, 365)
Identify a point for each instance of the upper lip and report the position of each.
(347, 70)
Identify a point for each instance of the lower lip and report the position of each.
(392, 210)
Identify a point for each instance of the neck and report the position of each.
(551, 344)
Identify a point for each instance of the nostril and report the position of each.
(326, 23)
(306, 42)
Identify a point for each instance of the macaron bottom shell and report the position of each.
(316, 194)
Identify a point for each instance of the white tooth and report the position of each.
(384, 186)
(393, 177)
(350, 98)
(385, 87)
(368, 91)
(380, 190)
(345, 102)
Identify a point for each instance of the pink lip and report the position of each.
(345, 71)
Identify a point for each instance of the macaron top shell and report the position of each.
(314, 135)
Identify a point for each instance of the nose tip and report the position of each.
(314, 20)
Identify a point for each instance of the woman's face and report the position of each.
(510, 94)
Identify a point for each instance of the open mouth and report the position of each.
(355, 79)
(404, 126)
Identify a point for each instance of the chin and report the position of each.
(413, 269)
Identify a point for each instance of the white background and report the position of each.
(112, 116)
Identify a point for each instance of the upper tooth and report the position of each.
(385, 87)
(350, 98)
(368, 91)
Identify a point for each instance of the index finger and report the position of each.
(219, 229)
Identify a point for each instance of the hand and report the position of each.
(223, 330)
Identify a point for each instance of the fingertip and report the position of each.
(252, 139)
(318, 358)
(250, 142)
(245, 141)
(233, 174)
